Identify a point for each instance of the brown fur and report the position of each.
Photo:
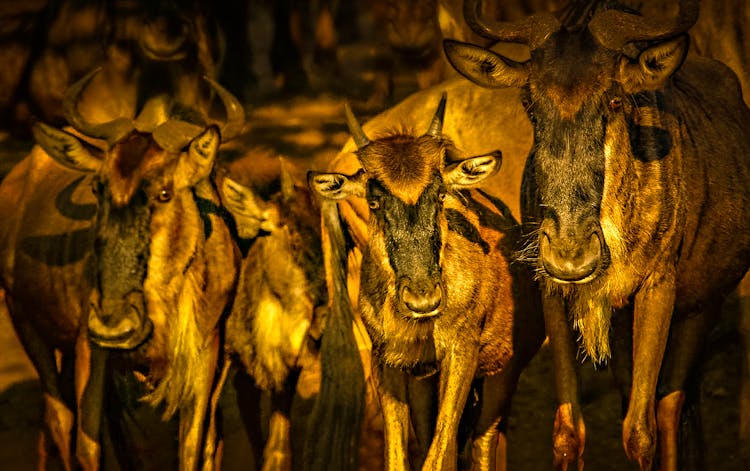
(672, 215)
(477, 332)
(185, 296)
(406, 178)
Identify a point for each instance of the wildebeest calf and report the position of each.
(280, 289)
(440, 298)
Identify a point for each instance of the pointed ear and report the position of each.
(250, 213)
(484, 67)
(200, 158)
(472, 171)
(65, 148)
(654, 66)
(337, 186)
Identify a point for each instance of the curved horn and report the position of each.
(436, 126)
(614, 29)
(111, 131)
(354, 128)
(235, 122)
(532, 30)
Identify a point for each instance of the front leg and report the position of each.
(277, 454)
(456, 375)
(194, 414)
(213, 448)
(393, 400)
(653, 307)
(90, 361)
(569, 435)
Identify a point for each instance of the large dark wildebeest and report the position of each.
(438, 294)
(636, 190)
(143, 263)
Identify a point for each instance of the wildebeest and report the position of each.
(110, 234)
(438, 294)
(280, 298)
(636, 191)
(409, 35)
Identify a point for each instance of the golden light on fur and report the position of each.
(404, 164)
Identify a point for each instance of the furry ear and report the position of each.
(65, 148)
(336, 186)
(250, 213)
(654, 66)
(484, 67)
(198, 163)
(473, 170)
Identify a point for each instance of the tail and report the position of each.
(334, 425)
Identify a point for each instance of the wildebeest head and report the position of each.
(591, 89)
(149, 180)
(406, 180)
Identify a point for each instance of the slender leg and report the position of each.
(277, 454)
(497, 391)
(422, 394)
(456, 376)
(569, 435)
(90, 362)
(686, 342)
(652, 315)
(58, 416)
(621, 363)
(194, 415)
(248, 403)
(213, 446)
(395, 417)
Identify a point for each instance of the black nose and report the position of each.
(422, 299)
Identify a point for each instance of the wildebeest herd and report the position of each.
(587, 188)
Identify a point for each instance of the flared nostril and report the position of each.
(570, 260)
(422, 300)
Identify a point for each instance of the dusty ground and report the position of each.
(309, 130)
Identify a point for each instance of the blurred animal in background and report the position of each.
(438, 294)
(144, 48)
(719, 32)
(273, 329)
(409, 36)
(113, 242)
(639, 176)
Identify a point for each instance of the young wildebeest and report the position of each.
(638, 183)
(438, 294)
(142, 263)
(280, 290)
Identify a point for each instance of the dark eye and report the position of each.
(441, 196)
(164, 195)
(373, 204)
(615, 103)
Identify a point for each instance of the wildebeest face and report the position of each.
(147, 226)
(410, 237)
(585, 102)
(406, 180)
(566, 107)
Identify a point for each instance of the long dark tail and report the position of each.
(334, 425)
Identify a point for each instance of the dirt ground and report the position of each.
(308, 130)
